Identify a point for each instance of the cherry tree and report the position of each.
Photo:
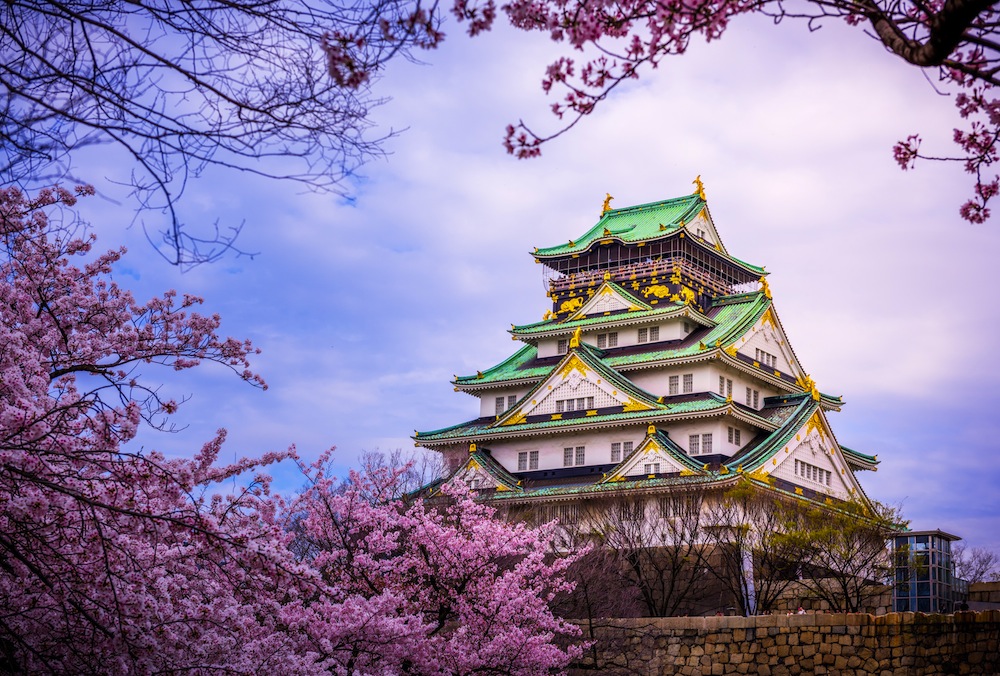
(614, 42)
(115, 560)
(438, 586)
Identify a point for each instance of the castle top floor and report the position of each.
(647, 244)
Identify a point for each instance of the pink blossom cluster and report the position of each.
(120, 561)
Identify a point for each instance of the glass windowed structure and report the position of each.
(925, 573)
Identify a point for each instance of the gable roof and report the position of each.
(583, 363)
(648, 222)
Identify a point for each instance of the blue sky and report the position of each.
(365, 307)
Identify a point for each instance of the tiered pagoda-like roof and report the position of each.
(652, 265)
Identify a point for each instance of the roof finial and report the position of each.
(575, 340)
(700, 191)
(764, 287)
(607, 203)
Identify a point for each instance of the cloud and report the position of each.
(366, 307)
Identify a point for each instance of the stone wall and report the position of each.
(984, 596)
(906, 644)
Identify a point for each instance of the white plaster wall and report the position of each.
(548, 347)
(716, 426)
(488, 400)
(597, 443)
(818, 454)
(765, 337)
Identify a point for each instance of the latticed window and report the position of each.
(631, 511)
(678, 506)
(694, 444)
(532, 459)
(500, 405)
(562, 346)
(706, 443)
(688, 383)
(675, 382)
(652, 468)
(574, 456)
(620, 449)
(607, 339)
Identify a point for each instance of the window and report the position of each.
(503, 404)
(527, 460)
(722, 385)
(618, 448)
(576, 404)
(756, 398)
(687, 328)
(573, 456)
(812, 473)
(607, 339)
(694, 444)
(564, 514)
(652, 468)
(766, 358)
(675, 385)
(749, 391)
(631, 511)
(688, 383)
(734, 436)
(674, 507)
(562, 346)
(654, 334)
(706, 443)
(729, 388)
(532, 459)
(649, 335)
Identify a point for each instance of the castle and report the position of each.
(661, 368)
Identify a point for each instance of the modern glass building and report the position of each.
(925, 573)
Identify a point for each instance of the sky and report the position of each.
(366, 306)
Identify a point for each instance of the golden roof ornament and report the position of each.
(764, 287)
(607, 203)
(607, 276)
(651, 430)
(472, 448)
(700, 187)
(574, 342)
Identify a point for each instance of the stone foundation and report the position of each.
(910, 644)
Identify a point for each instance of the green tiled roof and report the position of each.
(609, 487)
(732, 318)
(640, 223)
(860, 459)
(803, 407)
(706, 403)
(547, 325)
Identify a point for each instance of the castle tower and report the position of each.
(661, 366)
